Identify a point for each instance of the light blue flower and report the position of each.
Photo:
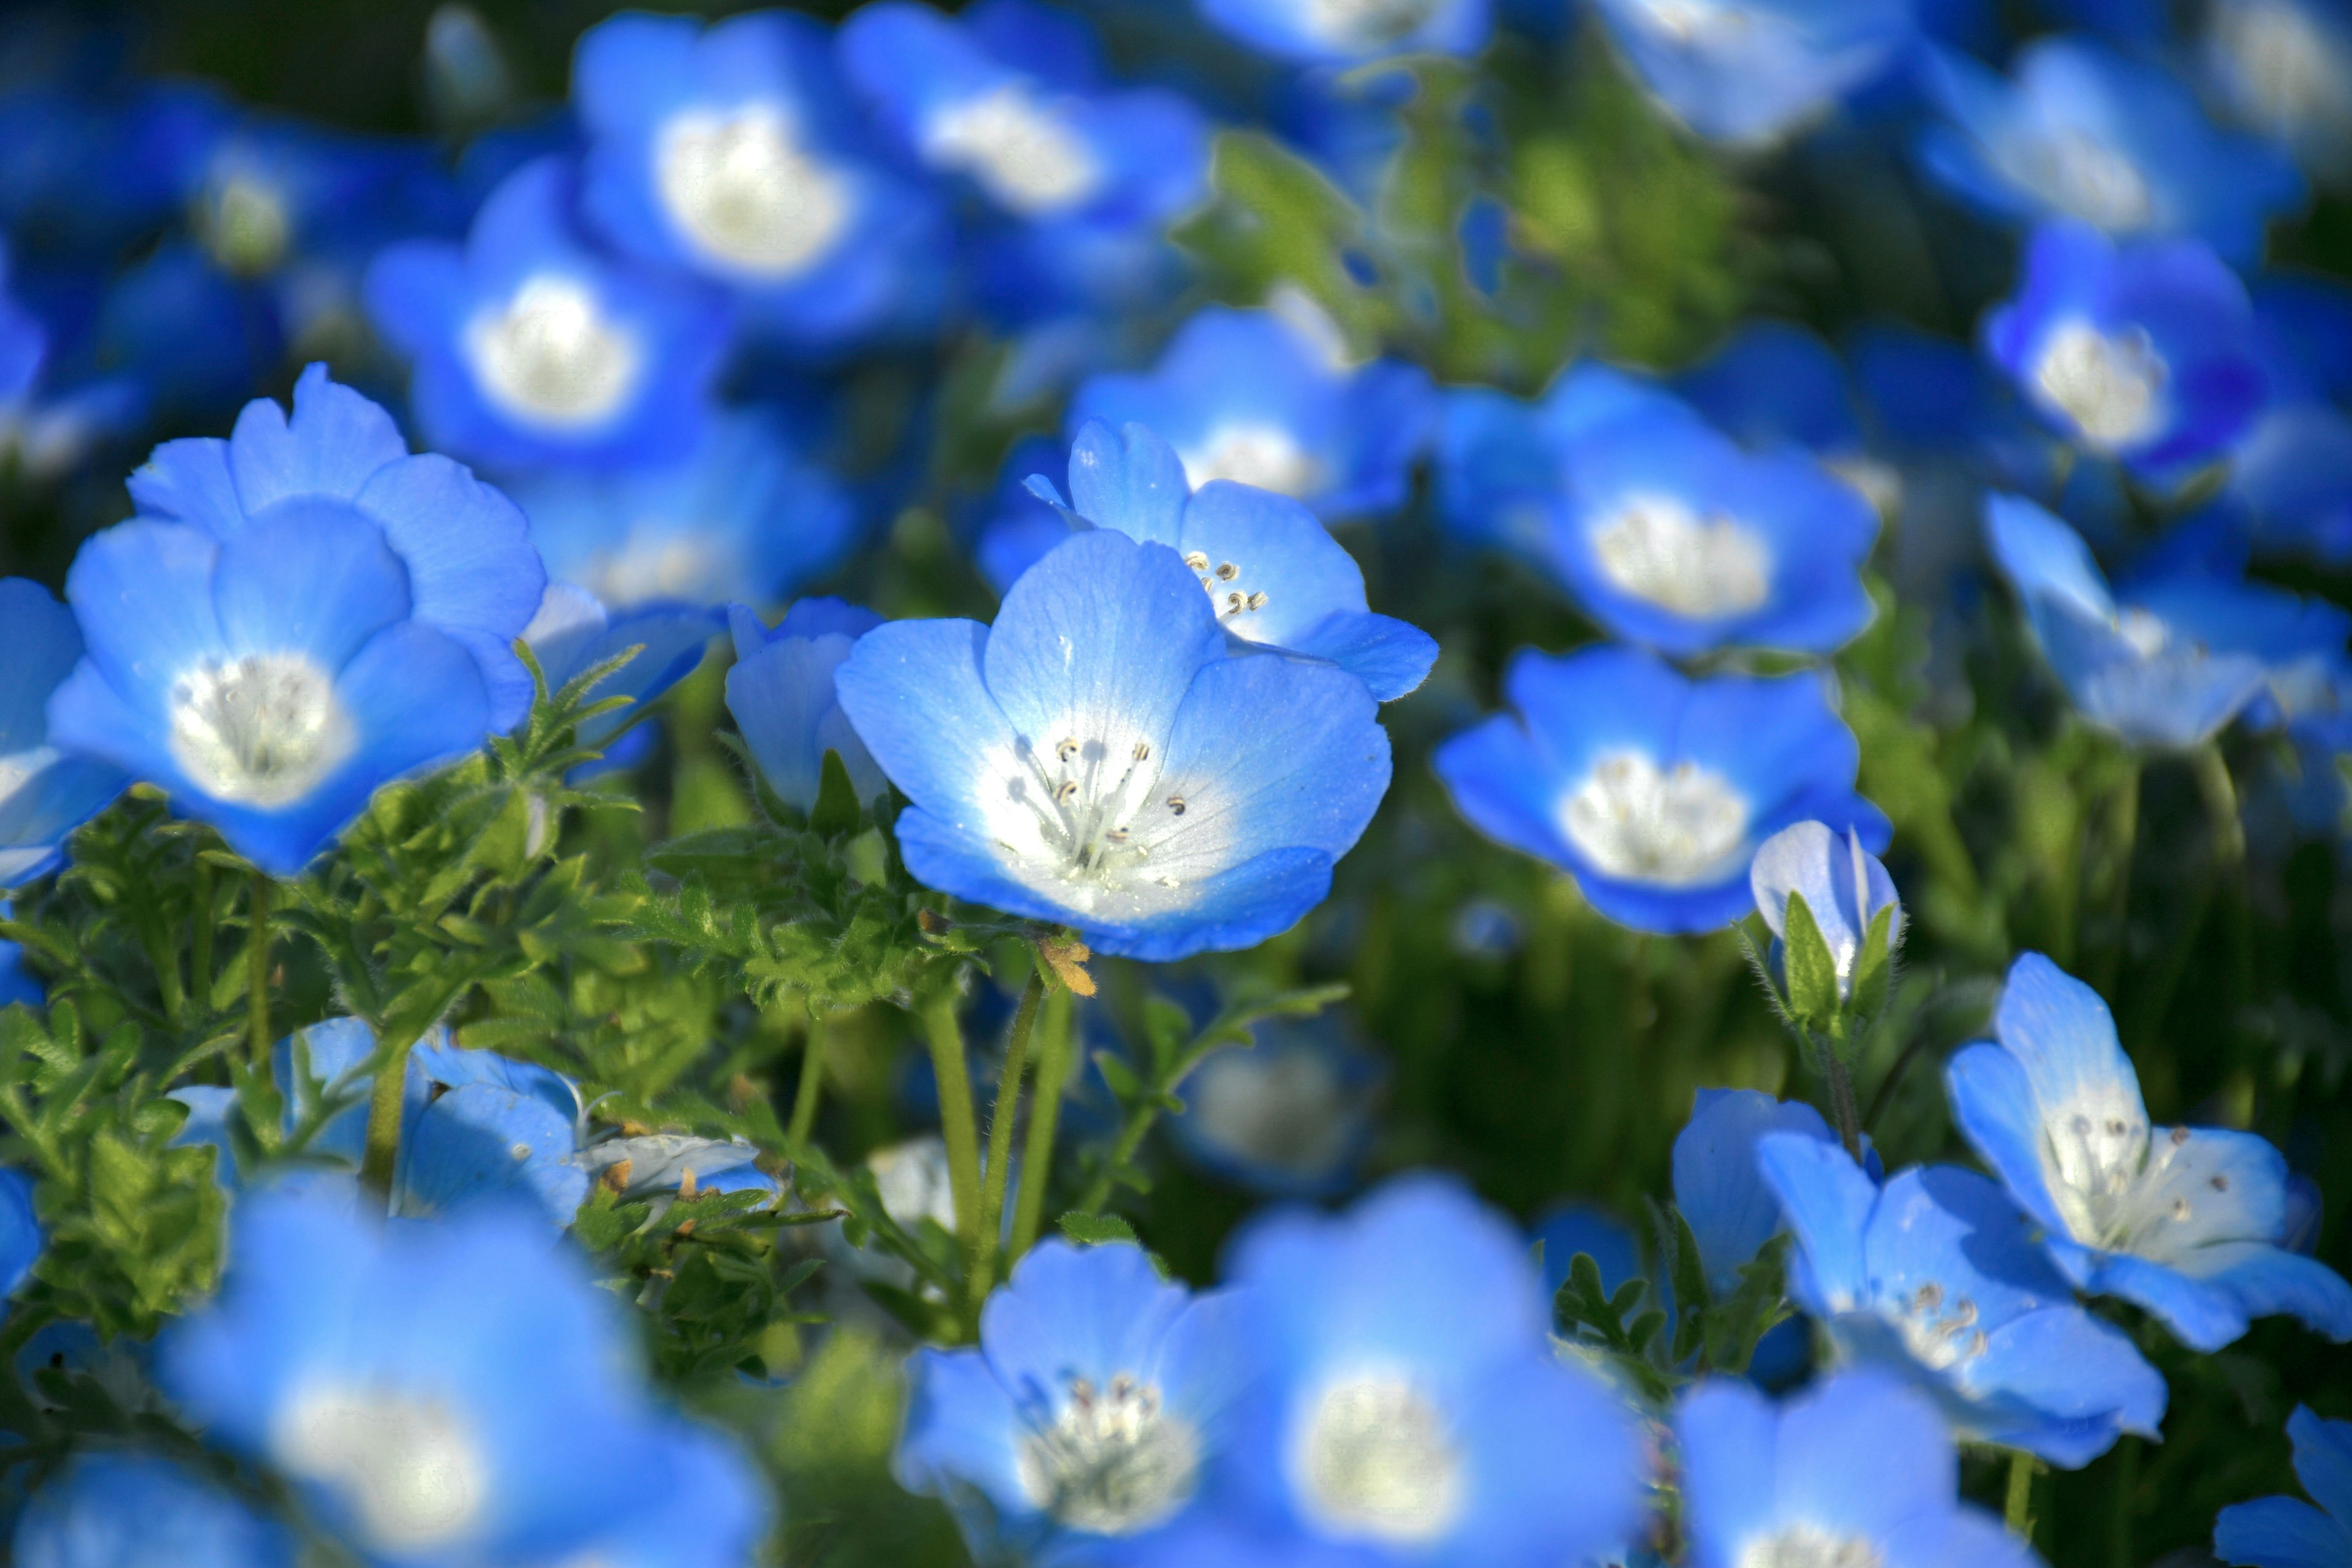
(1718, 1188)
(1667, 531)
(1856, 1470)
(1272, 402)
(1937, 1278)
(1351, 32)
(129, 1511)
(1273, 575)
(2081, 132)
(574, 632)
(1843, 885)
(1411, 1412)
(1751, 71)
(270, 195)
(781, 692)
(2144, 351)
(2288, 1532)
(2283, 67)
(2125, 667)
(45, 794)
(1774, 384)
(458, 1392)
(1018, 526)
(1651, 789)
(21, 1237)
(1079, 1427)
(2185, 1222)
(1290, 1116)
(533, 346)
(729, 150)
(1100, 757)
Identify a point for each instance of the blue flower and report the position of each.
(748, 514)
(1290, 1116)
(2082, 132)
(2283, 67)
(2144, 351)
(1351, 32)
(1414, 1414)
(782, 694)
(2299, 642)
(1773, 383)
(729, 150)
(2126, 668)
(1667, 533)
(531, 347)
(129, 1511)
(1843, 885)
(460, 1391)
(45, 794)
(1752, 71)
(1079, 1427)
(21, 1237)
(2287, 1532)
(2290, 481)
(1856, 1469)
(1272, 402)
(1019, 527)
(1101, 758)
(2185, 1222)
(298, 615)
(1718, 1187)
(272, 195)
(1273, 575)
(572, 633)
(1936, 1277)
(1654, 789)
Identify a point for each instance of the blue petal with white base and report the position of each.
(45, 794)
(782, 694)
(1846, 890)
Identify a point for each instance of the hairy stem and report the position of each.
(812, 1084)
(1054, 1054)
(386, 1101)
(2018, 1513)
(1001, 1118)
(1841, 1106)
(959, 1128)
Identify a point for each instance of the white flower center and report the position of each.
(2110, 387)
(1237, 602)
(1367, 24)
(1803, 1546)
(1676, 827)
(409, 1468)
(245, 226)
(1024, 155)
(1690, 22)
(657, 562)
(1088, 809)
(1940, 1329)
(746, 193)
(2078, 173)
(1289, 1111)
(1113, 1462)
(1656, 548)
(2144, 632)
(1265, 456)
(263, 730)
(1377, 1462)
(552, 357)
(2291, 74)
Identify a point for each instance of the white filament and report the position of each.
(1112, 1461)
(1676, 827)
(264, 729)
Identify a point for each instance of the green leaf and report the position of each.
(1096, 1230)
(1810, 971)
(1873, 967)
(837, 811)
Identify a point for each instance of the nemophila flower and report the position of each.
(2144, 351)
(1272, 402)
(1098, 757)
(131, 1511)
(269, 193)
(1844, 887)
(1020, 527)
(781, 692)
(730, 150)
(1411, 1412)
(21, 1237)
(2081, 132)
(1936, 1277)
(1273, 575)
(2185, 1221)
(1351, 32)
(2298, 641)
(1718, 1188)
(574, 632)
(2291, 483)
(1751, 73)
(453, 1393)
(2288, 1532)
(1651, 789)
(1774, 384)
(45, 794)
(2124, 666)
(2284, 68)
(1858, 1469)
(1290, 1116)
(1079, 1429)
(531, 346)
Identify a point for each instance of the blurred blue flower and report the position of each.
(2081, 132)
(1100, 758)
(1856, 1469)
(2288, 1532)
(88, 171)
(1079, 1427)
(1651, 789)
(2290, 481)
(1273, 575)
(1843, 885)
(781, 692)
(1351, 32)
(1272, 402)
(2284, 68)
(1718, 1187)
(1751, 71)
(1020, 528)
(531, 347)
(129, 1511)
(186, 335)
(574, 632)
(2144, 351)
(2185, 1222)
(1937, 1278)
(1290, 1116)
(729, 150)
(460, 1391)
(45, 794)
(1774, 384)
(21, 1237)
(270, 193)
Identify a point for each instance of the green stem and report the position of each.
(2018, 1512)
(2119, 1518)
(257, 979)
(1001, 1115)
(812, 1083)
(1045, 1110)
(2220, 793)
(387, 1100)
(2125, 826)
(1841, 1106)
(200, 960)
(959, 1128)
